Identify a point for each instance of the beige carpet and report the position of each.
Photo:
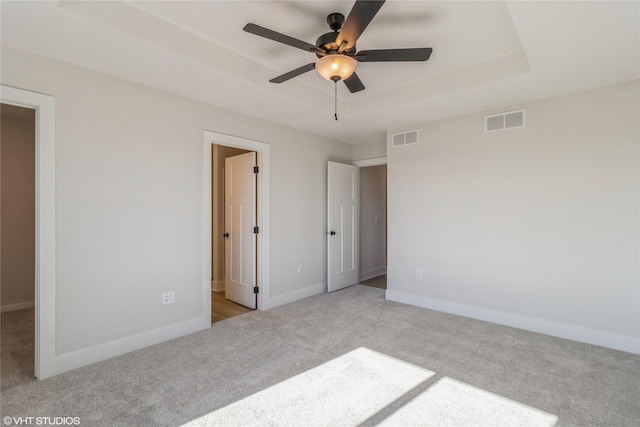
(345, 358)
(17, 348)
(354, 387)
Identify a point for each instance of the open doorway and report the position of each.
(45, 244)
(373, 226)
(225, 147)
(17, 242)
(224, 303)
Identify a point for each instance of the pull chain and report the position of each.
(335, 84)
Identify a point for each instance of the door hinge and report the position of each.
(255, 169)
(256, 230)
(255, 289)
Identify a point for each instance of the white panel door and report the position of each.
(239, 221)
(342, 190)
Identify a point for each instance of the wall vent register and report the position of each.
(506, 120)
(409, 137)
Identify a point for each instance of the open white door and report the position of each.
(342, 191)
(240, 220)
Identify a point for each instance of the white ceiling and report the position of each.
(486, 55)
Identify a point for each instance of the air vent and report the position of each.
(409, 137)
(506, 120)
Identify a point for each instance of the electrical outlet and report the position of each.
(168, 297)
(419, 274)
(299, 269)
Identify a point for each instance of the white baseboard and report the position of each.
(298, 294)
(217, 285)
(67, 362)
(562, 330)
(15, 307)
(369, 274)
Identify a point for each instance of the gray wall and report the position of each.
(535, 227)
(17, 154)
(129, 194)
(369, 150)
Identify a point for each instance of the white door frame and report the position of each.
(45, 245)
(370, 162)
(263, 267)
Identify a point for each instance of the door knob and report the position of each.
(225, 235)
(333, 233)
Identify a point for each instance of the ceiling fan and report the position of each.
(336, 50)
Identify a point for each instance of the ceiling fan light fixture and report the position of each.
(336, 67)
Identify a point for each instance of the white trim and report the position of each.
(68, 361)
(370, 162)
(206, 225)
(298, 294)
(375, 272)
(16, 307)
(217, 285)
(262, 149)
(45, 274)
(561, 330)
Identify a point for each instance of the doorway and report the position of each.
(45, 246)
(223, 147)
(224, 299)
(357, 224)
(17, 242)
(373, 225)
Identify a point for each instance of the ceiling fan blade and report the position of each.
(392, 55)
(281, 38)
(293, 73)
(354, 84)
(361, 14)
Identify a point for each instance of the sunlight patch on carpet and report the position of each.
(344, 391)
(364, 384)
(453, 403)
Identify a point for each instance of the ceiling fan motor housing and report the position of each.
(327, 41)
(335, 21)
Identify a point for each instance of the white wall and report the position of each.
(129, 201)
(17, 153)
(369, 150)
(301, 199)
(536, 227)
(373, 221)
